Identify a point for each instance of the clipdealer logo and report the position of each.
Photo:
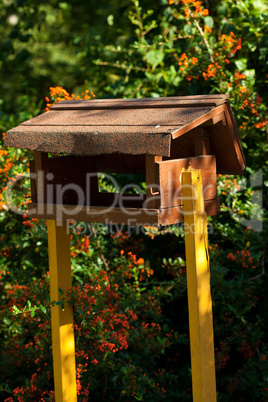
(57, 191)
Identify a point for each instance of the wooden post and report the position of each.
(61, 320)
(198, 288)
(151, 190)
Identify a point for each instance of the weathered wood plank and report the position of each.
(174, 215)
(202, 120)
(152, 185)
(40, 169)
(169, 178)
(211, 100)
(127, 216)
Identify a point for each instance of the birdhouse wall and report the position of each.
(168, 175)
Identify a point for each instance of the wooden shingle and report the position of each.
(169, 127)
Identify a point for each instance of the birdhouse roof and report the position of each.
(167, 127)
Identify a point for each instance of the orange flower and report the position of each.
(206, 28)
(238, 46)
(260, 125)
(211, 71)
(187, 12)
(59, 94)
(243, 89)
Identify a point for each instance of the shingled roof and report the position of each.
(157, 126)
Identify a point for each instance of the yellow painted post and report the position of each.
(61, 320)
(198, 288)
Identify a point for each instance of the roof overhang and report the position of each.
(133, 127)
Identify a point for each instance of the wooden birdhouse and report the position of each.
(76, 141)
(158, 137)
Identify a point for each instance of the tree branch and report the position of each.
(203, 36)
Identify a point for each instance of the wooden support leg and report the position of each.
(198, 287)
(61, 320)
(152, 191)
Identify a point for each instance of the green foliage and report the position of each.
(129, 288)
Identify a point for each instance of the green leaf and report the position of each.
(16, 310)
(110, 19)
(79, 310)
(252, 46)
(187, 29)
(106, 354)
(32, 313)
(64, 5)
(241, 64)
(138, 397)
(43, 309)
(155, 57)
(209, 21)
(22, 55)
(154, 95)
